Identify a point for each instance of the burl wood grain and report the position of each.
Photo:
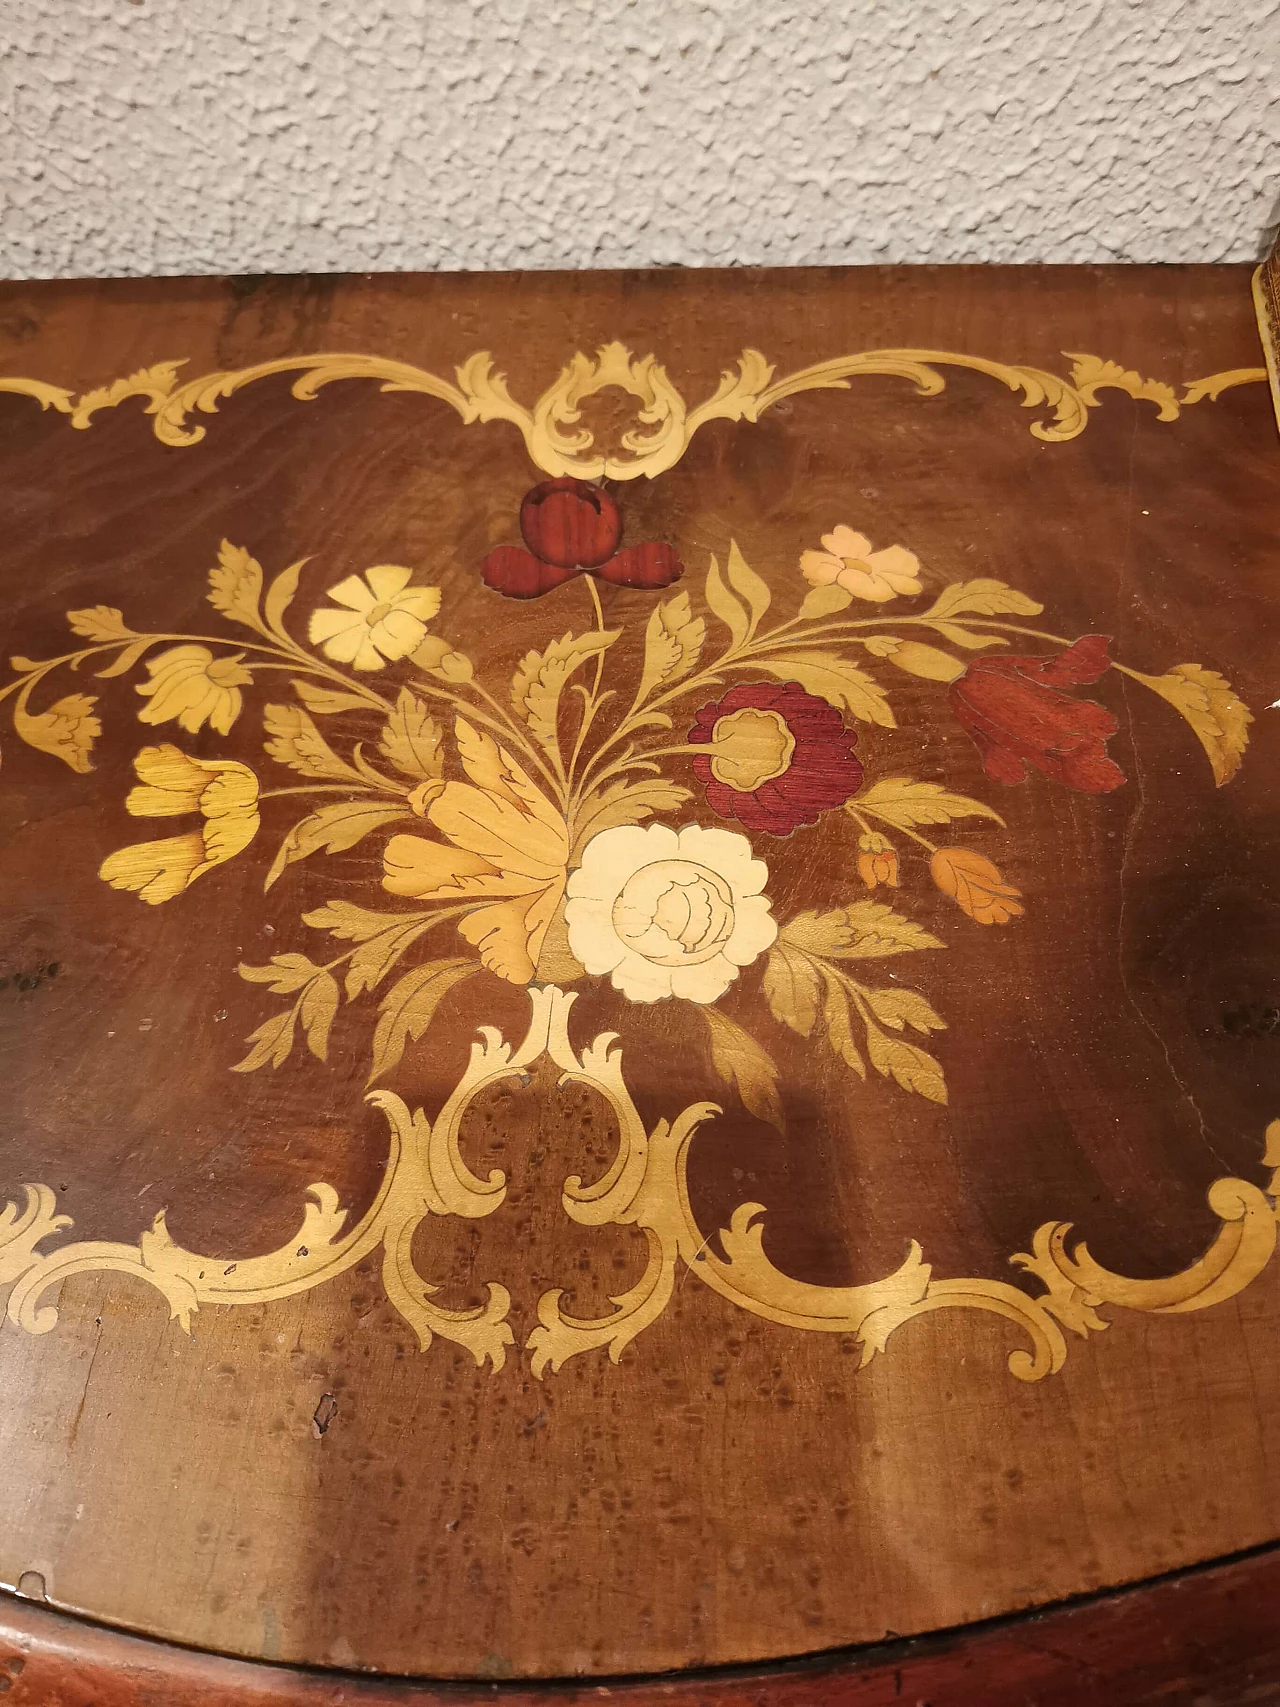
(732, 1491)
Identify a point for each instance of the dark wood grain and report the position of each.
(733, 1490)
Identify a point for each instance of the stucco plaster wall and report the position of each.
(161, 136)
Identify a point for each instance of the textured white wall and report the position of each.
(166, 136)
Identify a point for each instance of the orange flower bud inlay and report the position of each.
(975, 885)
(877, 861)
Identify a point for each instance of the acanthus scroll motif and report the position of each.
(559, 445)
(645, 1186)
(425, 1175)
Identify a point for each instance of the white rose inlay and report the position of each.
(669, 913)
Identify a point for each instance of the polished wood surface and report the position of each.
(778, 1462)
(1209, 1635)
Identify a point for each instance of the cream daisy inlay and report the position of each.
(383, 619)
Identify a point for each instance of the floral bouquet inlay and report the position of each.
(519, 822)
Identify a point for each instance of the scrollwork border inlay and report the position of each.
(646, 1186)
(559, 444)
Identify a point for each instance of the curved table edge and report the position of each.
(1214, 1627)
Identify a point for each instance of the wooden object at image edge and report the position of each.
(1212, 1628)
(1208, 1634)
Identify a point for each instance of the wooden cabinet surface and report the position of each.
(640, 966)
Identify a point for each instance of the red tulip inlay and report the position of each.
(1018, 715)
(572, 528)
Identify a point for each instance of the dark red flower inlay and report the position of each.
(1018, 715)
(572, 528)
(570, 524)
(781, 756)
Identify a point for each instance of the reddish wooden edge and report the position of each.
(1205, 1635)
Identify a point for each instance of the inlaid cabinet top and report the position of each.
(638, 988)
